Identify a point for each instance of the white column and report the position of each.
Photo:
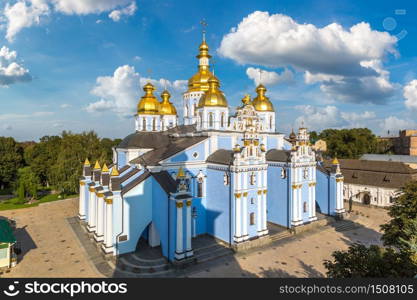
(245, 207)
(300, 203)
(238, 208)
(264, 206)
(81, 206)
(188, 229)
(99, 217)
(109, 225)
(294, 202)
(259, 214)
(314, 201)
(92, 211)
(179, 247)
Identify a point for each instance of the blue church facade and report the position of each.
(227, 176)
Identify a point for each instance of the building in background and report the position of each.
(373, 182)
(320, 146)
(403, 144)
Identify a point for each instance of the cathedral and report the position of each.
(215, 173)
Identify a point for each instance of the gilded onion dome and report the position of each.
(261, 102)
(199, 82)
(148, 104)
(213, 96)
(166, 107)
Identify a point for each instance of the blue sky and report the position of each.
(79, 64)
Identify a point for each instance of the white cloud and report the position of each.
(341, 59)
(84, 7)
(120, 92)
(269, 77)
(319, 118)
(129, 10)
(28, 13)
(11, 71)
(410, 94)
(65, 105)
(7, 127)
(394, 124)
(24, 14)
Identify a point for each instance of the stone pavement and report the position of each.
(50, 248)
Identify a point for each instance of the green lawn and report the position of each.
(16, 203)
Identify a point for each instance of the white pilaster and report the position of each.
(99, 217)
(92, 211)
(179, 249)
(108, 244)
(245, 215)
(82, 201)
(188, 246)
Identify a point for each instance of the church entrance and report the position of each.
(366, 199)
(149, 243)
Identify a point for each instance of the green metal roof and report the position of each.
(6, 232)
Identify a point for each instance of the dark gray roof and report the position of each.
(221, 156)
(388, 157)
(168, 184)
(176, 145)
(124, 168)
(375, 173)
(144, 140)
(129, 174)
(182, 129)
(278, 155)
(135, 182)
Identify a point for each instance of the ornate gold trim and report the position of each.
(82, 183)
(180, 204)
(312, 184)
(91, 189)
(109, 200)
(339, 179)
(265, 191)
(100, 195)
(188, 202)
(259, 192)
(295, 186)
(245, 194)
(237, 195)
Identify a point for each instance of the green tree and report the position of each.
(376, 262)
(403, 213)
(314, 137)
(349, 143)
(27, 182)
(11, 159)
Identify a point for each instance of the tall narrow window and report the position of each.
(252, 218)
(144, 124)
(305, 207)
(200, 187)
(252, 179)
(222, 120)
(211, 119)
(270, 122)
(186, 110)
(154, 124)
(195, 110)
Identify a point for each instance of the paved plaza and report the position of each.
(51, 247)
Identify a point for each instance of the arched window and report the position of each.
(305, 207)
(222, 120)
(144, 124)
(211, 119)
(154, 124)
(195, 110)
(186, 110)
(270, 122)
(201, 119)
(162, 125)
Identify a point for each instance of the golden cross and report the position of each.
(204, 25)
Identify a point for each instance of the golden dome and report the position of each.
(261, 102)
(199, 81)
(148, 104)
(213, 96)
(166, 107)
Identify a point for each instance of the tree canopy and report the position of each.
(53, 161)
